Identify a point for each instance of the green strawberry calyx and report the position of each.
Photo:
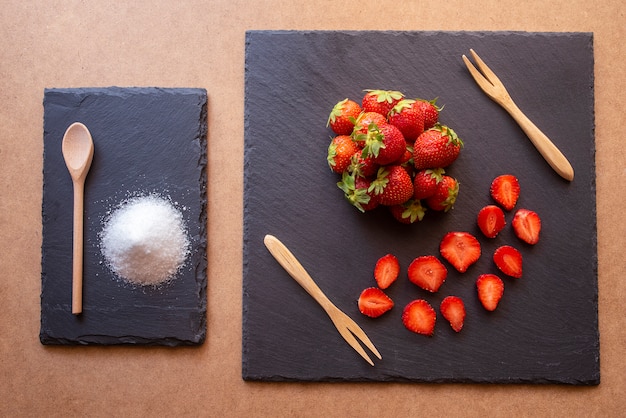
(356, 196)
(380, 182)
(453, 138)
(413, 210)
(385, 95)
(336, 112)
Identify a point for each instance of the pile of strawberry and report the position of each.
(392, 151)
(460, 249)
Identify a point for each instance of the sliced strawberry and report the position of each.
(491, 220)
(527, 225)
(453, 309)
(427, 272)
(461, 249)
(490, 289)
(509, 261)
(373, 302)
(386, 270)
(505, 190)
(419, 317)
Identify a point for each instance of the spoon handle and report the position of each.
(77, 253)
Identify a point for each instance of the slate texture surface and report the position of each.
(147, 141)
(546, 327)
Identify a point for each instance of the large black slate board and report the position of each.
(147, 141)
(545, 329)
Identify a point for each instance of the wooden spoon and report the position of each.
(78, 154)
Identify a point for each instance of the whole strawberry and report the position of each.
(425, 182)
(365, 122)
(437, 147)
(340, 152)
(430, 111)
(408, 118)
(408, 212)
(380, 101)
(392, 186)
(342, 117)
(386, 144)
(445, 194)
(362, 166)
(355, 191)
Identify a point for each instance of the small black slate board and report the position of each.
(545, 329)
(147, 141)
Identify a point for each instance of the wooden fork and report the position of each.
(346, 326)
(494, 88)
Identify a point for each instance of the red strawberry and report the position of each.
(386, 270)
(425, 182)
(408, 212)
(380, 101)
(387, 145)
(340, 152)
(355, 190)
(362, 166)
(505, 190)
(427, 272)
(490, 289)
(364, 122)
(509, 261)
(437, 147)
(392, 185)
(342, 117)
(408, 118)
(461, 249)
(419, 317)
(527, 225)
(373, 302)
(453, 309)
(430, 111)
(445, 194)
(491, 220)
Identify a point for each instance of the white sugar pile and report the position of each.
(145, 241)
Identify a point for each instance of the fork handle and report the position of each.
(548, 150)
(289, 262)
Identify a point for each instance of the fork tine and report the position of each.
(482, 82)
(489, 75)
(358, 332)
(347, 335)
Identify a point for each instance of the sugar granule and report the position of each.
(144, 241)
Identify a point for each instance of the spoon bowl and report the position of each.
(77, 151)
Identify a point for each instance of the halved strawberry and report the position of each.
(490, 290)
(408, 212)
(386, 270)
(342, 117)
(453, 309)
(380, 101)
(419, 317)
(505, 190)
(340, 152)
(509, 261)
(373, 302)
(461, 249)
(427, 272)
(491, 220)
(527, 225)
